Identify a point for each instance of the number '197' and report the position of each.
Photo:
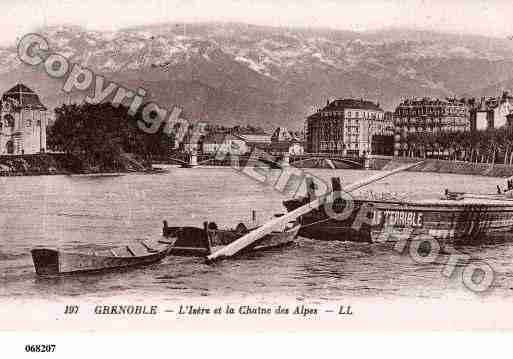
(40, 348)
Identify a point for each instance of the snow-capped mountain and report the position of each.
(237, 73)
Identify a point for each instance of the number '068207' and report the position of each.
(40, 348)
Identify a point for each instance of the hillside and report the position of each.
(236, 73)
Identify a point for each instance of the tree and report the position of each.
(100, 134)
(487, 146)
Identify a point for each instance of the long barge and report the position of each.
(463, 220)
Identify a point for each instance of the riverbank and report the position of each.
(65, 164)
(42, 164)
(386, 163)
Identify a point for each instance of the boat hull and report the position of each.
(383, 221)
(192, 241)
(274, 240)
(51, 262)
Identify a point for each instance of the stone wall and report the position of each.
(442, 166)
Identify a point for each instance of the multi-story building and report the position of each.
(490, 112)
(22, 122)
(344, 126)
(383, 141)
(430, 116)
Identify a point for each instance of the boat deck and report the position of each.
(485, 200)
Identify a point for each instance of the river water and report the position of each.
(80, 212)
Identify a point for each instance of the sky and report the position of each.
(483, 17)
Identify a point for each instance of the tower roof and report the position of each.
(24, 97)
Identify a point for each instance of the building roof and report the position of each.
(24, 97)
(218, 138)
(428, 101)
(260, 138)
(249, 131)
(350, 103)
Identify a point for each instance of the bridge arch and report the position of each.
(324, 161)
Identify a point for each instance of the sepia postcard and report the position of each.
(238, 166)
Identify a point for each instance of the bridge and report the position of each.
(326, 160)
(187, 160)
(307, 160)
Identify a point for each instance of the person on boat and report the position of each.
(498, 190)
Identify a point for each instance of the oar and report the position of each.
(498, 197)
(475, 194)
(253, 236)
(479, 195)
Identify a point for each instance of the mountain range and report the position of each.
(233, 73)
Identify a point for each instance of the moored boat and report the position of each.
(449, 219)
(53, 262)
(195, 241)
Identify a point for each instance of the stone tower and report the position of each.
(23, 120)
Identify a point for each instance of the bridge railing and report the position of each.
(331, 156)
(243, 160)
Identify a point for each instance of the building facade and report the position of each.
(429, 116)
(257, 140)
(23, 120)
(215, 142)
(491, 112)
(509, 120)
(283, 141)
(383, 141)
(345, 126)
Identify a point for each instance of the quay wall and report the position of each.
(61, 163)
(372, 162)
(441, 166)
(38, 164)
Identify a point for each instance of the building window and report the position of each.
(9, 146)
(9, 120)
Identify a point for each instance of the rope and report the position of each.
(314, 223)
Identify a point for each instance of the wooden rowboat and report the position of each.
(195, 241)
(52, 262)
(454, 218)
